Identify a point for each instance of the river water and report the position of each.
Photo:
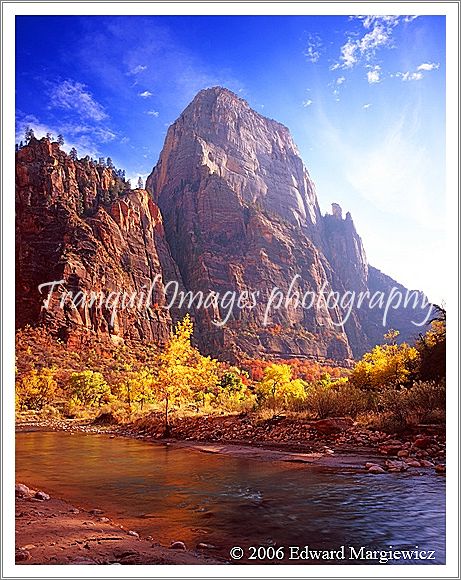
(182, 494)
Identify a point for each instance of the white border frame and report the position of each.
(9, 10)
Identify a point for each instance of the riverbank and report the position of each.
(52, 531)
(197, 496)
(336, 442)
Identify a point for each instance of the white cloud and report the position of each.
(30, 121)
(428, 66)
(72, 95)
(340, 80)
(371, 21)
(313, 49)
(133, 177)
(137, 69)
(374, 75)
(348, 56)
(307, 103)
(365, 47)
(410, 76)
(417, 75)
(85, 138)
(145, 94)
(153, 113)
(366, 106)
(392, 170)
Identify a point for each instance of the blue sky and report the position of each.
(363, 96)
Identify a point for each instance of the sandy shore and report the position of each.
(51, 531)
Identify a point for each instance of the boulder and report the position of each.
(204, 546)
(403, 453)
(333, 425)
(178, 546)
(376, 469)
(423, 442)
(396, 465)
(22, 490)
(22, 555)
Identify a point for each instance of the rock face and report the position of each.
(241, 214)
(65, 232)
(229, 208)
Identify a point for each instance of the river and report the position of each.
(175, 493)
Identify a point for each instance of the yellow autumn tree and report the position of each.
(277, 389)
(136, 387)
(387, 365)
(182, 371)
(36, 388)
(89, 388)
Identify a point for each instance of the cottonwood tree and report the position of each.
(182, 370)
(137, 388)
(388, 365)
(36, 388)
(89, 388)
(278, 389)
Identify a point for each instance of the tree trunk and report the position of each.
(167, 424)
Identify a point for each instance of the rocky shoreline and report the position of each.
(332, 443)
(52, 531)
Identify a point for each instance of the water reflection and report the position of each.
(182, 494)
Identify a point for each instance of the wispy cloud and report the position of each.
(391, 171)
(176, 71)
(428, 66)
(137, 69)
(336, 85)
(24, 121)
(392, 175)
(307, 103)
(418, 74)
(374, 75)
(74, 96)
(145, 94)
(410, 76)
(153, 113)
(85, 138)
(364, 48)
(314, 48)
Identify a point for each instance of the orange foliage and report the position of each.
(307, 370)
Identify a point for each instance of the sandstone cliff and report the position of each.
(241, 213)
(65, 232)
(229, 208)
